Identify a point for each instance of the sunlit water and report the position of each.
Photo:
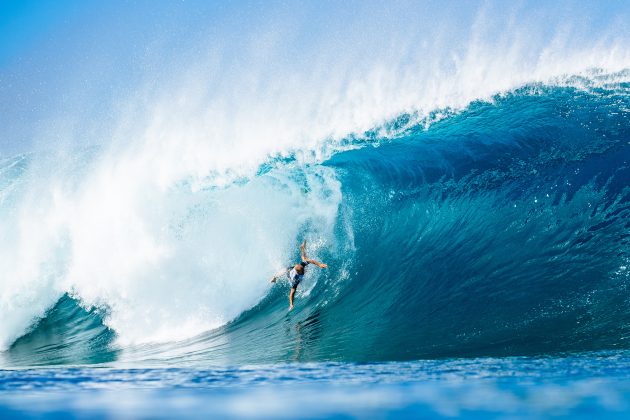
(581, 386)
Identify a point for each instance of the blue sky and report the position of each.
(60, 56)
(23, 24)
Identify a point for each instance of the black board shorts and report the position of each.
(295, 280)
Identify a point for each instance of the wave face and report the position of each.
(499, 229)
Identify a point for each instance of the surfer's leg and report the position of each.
(291, 294)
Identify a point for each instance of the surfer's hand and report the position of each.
(290, 307)
(322, 265)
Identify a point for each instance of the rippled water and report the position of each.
(584, 385)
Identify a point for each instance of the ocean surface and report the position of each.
(577, 386)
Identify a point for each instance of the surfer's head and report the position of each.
(300, 268)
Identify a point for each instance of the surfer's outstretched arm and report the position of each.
(308, 260)
(317, 263)
(278, 274)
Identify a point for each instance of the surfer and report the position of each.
(296, 273)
